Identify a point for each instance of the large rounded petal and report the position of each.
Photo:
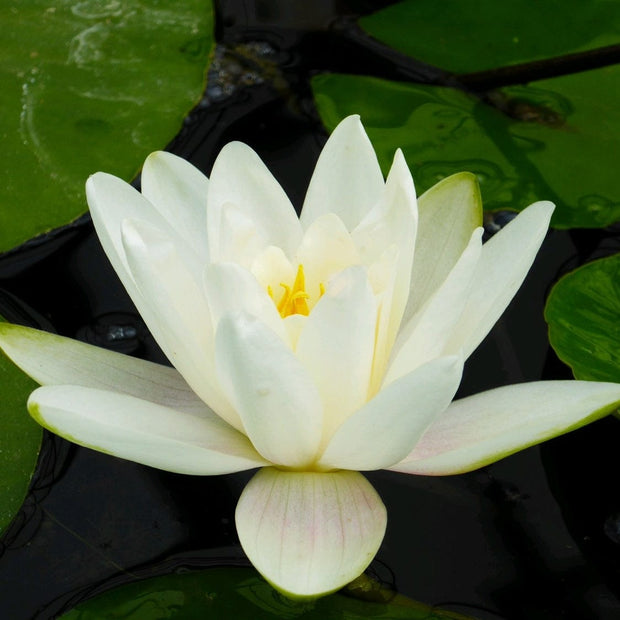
(141, 431)
(483, 428)
(279, 405)
(506, 258)
(347, 179)
(240, 178)
(383, 431)
(449, 212)
(55, 360)
(310, 533)
(336, 345)
(178, 191)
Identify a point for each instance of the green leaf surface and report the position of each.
(476, 35)
(238, 593)
(20, 440)
(87, 86)
(583, 314)
(555, 139)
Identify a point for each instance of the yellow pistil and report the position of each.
(294, 300)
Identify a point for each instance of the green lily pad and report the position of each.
(238, 593)
(553, 139)
(583, 313)
(87, 86)
(475, 35)
(20, 440)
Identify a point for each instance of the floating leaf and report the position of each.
(238, 593)
(551, 140)
(476, 35)
(89, 86)
(583, 313)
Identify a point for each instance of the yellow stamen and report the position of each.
(295, 298)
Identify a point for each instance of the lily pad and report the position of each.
(583, 313)
(87, 86)
(238, 593)
(476, 35)
(20, 440)
(553, 139)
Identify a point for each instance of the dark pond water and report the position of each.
(535, 536)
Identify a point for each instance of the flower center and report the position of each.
(295, 297)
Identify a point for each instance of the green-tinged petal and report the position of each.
(231, 288)
(310, 533)
(483, 428)
(449, 212)
(240, 178)
(270, 389)
(141, 431)
(424, 336)
(506, 258)
(386, 428)
(174, 307)
(178, 191)
(55, 360)
(347, 179)
(337, 343)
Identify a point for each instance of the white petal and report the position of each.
(347, 179)
(309, 533)
(140, 431)
(384, 430)
(54, 360)
(337, 343)
(230, 288)
(483, 428)
(273, 394)
(424, 336)
(175, 309)
(449, 212)
(506, 259)
(240, 178)
(178, 191)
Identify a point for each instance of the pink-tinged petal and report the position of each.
(141, 431)
(506, 258)
(337, 343)
(55, 360)
(486, 427)
(424, 336)
(178, 191)
(279, 405)
(230, 288)
(385, 429)
(310, 533)
(449, 212)
(173, 306)
(347, 179)
(240, 178)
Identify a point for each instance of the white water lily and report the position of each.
(309, 347)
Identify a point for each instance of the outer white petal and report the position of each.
(174, 307)
(240, 178)
(347, 179)
(424, 336)
(385, 429)
(309, 533)
(230, 288)
(483, 428)
(506, 259)
(178, 191)
(336, 345)
(449, 212)
(54, 360)
(141, 431)
(272, 392)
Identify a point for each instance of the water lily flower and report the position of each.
(312, 348)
